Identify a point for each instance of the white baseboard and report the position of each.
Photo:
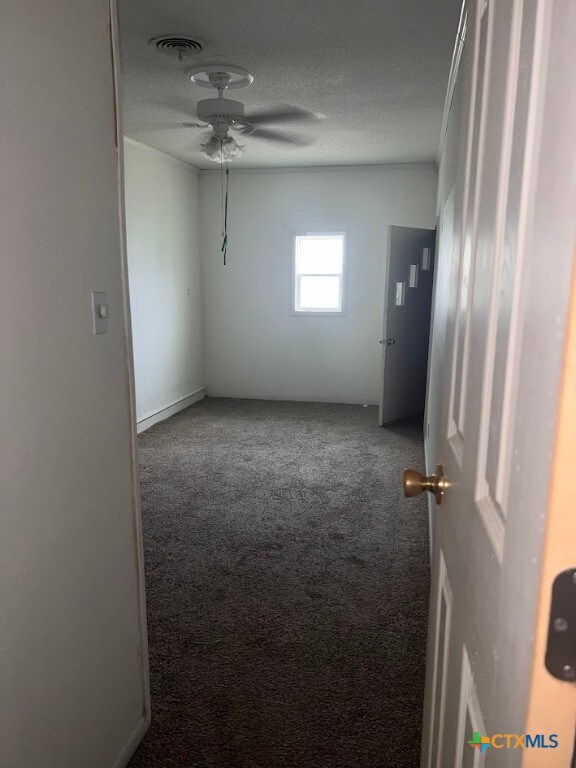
(171, 409)
(282, 398)
(130, 747)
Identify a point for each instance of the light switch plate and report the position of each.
(100, 312)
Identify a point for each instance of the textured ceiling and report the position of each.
(374, 70)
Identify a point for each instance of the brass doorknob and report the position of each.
(416, 483)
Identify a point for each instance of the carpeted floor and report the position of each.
(287, 588)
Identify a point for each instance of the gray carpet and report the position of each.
(287, 587)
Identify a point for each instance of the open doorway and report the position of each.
(287, 587)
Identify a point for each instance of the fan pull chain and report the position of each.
(225, 210)
(222, 187)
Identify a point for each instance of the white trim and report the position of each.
(452, 78)
(242, 395)
(129, 748)
(171, 409)
(321, 169)
(429, 496)
(164, 155)
(130, 391)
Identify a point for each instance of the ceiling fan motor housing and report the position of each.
(219, 110)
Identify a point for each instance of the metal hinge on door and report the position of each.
(561, 647)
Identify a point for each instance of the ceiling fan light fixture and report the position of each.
(223, 149)
(225, 76)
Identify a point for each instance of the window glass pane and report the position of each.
(319, 254)
(319, 293)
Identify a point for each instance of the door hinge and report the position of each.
(561, 646)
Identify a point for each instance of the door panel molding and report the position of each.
(468, 712)
(441, 653)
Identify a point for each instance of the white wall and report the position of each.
(72, 684)
(254, 347)
(164, 272)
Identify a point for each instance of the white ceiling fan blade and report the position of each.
(282, 114)
(278, 137)
(144, 127)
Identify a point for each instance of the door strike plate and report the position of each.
(561, 646)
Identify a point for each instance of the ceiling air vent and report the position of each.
(179, 47)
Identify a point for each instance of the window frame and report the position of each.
(343, 281)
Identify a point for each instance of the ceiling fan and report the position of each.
(221, 114)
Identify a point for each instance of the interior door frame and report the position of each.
(144, 724)
(387, 245)
(428, 461)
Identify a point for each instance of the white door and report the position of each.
(406, 322)
(497, 545)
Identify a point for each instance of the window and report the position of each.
(319, 273)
